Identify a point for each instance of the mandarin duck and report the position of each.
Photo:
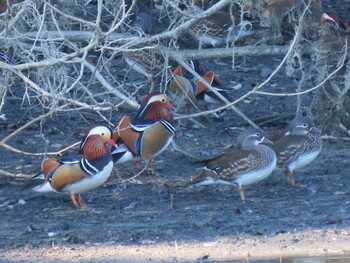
(184, 85)
(277, 15)
(333, 20)
(298, 147)
(219, 28)
(79, 175)
(249, 162)
(193, 64)
(148, 135)
(149, 62)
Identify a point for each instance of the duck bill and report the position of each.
(267, 141)
(170, 106)
(111, 142)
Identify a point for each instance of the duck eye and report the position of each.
(163, 100)
(304, 125)
(103, 134)
(257, 134)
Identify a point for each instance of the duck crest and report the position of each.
(147, 98)
(85, 137)
(154, 107)
(300, 125)
(141, 113)
(335, 20)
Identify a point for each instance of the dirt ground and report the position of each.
(146, 220)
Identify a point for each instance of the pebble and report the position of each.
(51, 234)
(28, 229)
(238, 86)
(147, 242)
(21, 202)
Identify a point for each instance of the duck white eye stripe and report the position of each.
(325, 16)
(98, 130)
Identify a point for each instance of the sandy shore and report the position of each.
(323, 244)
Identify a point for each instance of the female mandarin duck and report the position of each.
(184, 84)
(222, 27)
(149, 134)
(299, 147)
(212, 30)
(249, 162)
(80, 175)
(149, 62)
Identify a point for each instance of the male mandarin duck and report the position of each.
(193, 64)
(184, 84)
(248, 163)
(80, 175)
(299, 146)
(333, 20)
(149, 134)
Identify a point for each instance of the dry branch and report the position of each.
(52, 57)
(3, 141)
(247, 51)
(85, 36)
(18, 175)
(332, 74)
(60, 152)
(128, 100)
(255, 89)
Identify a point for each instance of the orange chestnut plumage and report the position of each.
(95, 148)
(49, 165)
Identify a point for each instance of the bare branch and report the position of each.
(3, 141)
(18, 175)
(332, 74)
